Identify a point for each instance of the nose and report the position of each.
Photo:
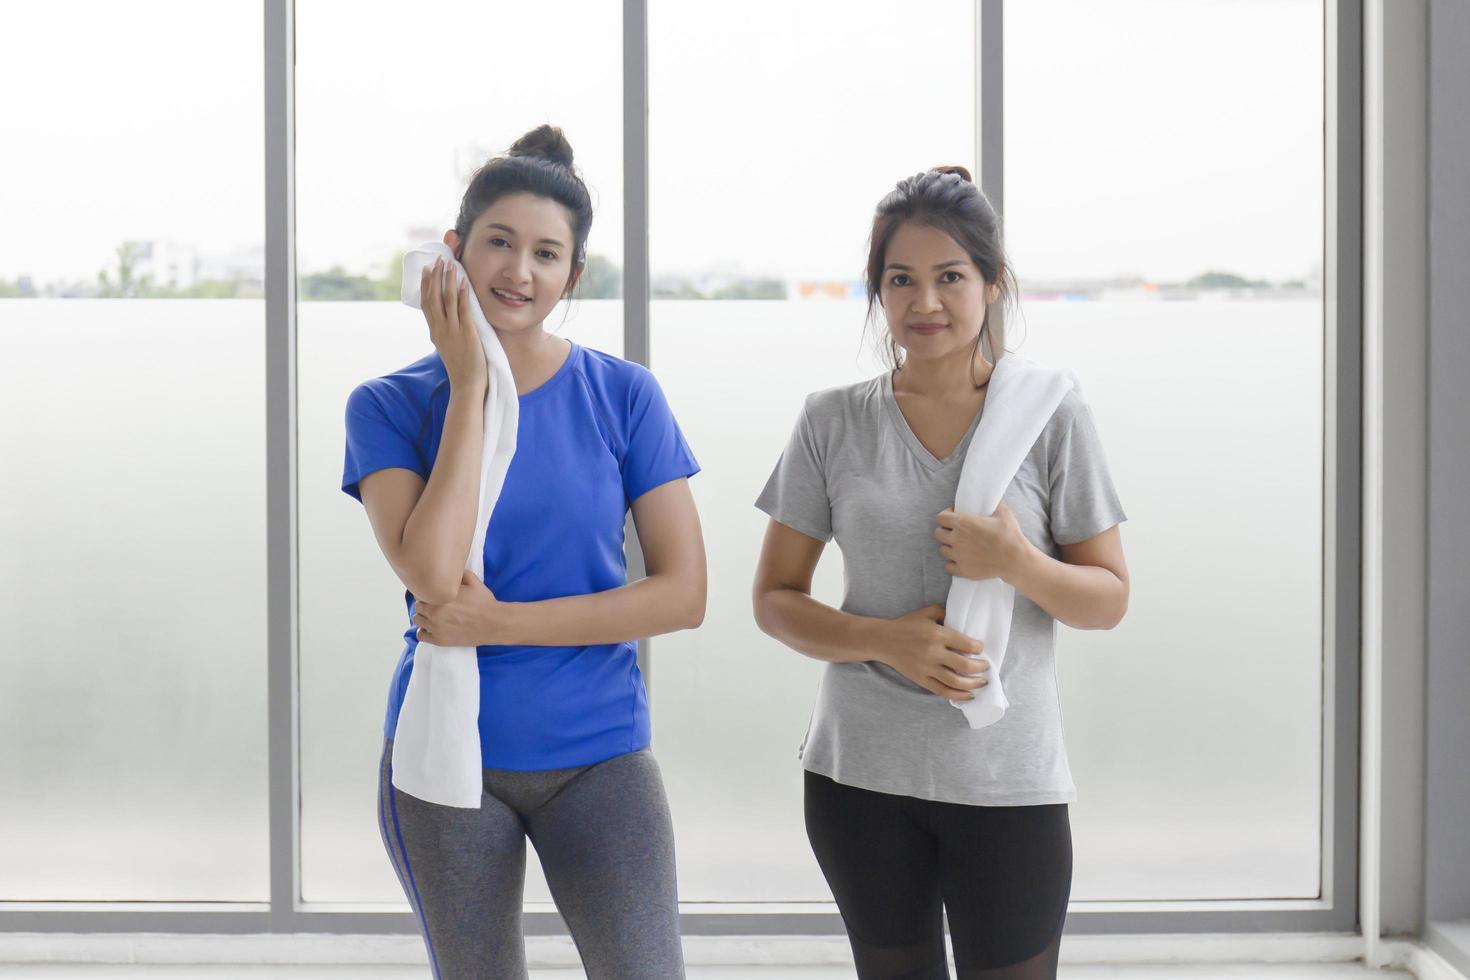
(926, 300)
(517, 269)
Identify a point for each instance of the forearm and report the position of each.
(436, 536)
(1085, 597)
(650, 606)
(815, 628)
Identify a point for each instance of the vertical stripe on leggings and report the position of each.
(388, 841)
(415, 900)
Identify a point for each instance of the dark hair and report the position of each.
(947, 199)
(539, 163)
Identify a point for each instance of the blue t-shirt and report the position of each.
(596, 436)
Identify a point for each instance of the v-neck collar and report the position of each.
(921, 453)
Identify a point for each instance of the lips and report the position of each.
(927, 328)
(509, 297)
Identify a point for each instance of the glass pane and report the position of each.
(132, 502)
(1164, 215)
(382, 161)
(786, 227)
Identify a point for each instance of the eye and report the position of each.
(498, 242)
(899, 280)
(547, 254)
(948, 273)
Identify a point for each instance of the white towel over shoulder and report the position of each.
(1023, 396)
(436, 746)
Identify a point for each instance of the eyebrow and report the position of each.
(942, 265)
(509, 229)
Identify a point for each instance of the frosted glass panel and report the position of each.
(385, 147)
(132, 508)
(132, 497)
(848, 99)
(1194, 728)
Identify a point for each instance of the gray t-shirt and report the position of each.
(855, 471)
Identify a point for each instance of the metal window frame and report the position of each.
(1334, 911)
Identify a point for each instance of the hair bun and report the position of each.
(953, 168)
(545, 141)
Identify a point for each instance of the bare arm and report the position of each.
(916, 645)
(1087, 589)
(784, 607)
(424, 529)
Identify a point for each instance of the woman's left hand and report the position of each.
(473, 618)
(979, 547)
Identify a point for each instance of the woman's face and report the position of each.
(519, 258)
(933, 295)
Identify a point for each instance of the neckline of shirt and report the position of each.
(906, 433)
(557, 378)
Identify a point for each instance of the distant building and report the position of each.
(169, 264)
(830, 289)
(174, 265)
(243, 265)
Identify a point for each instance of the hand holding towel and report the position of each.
(1023, 396)
(436, 746)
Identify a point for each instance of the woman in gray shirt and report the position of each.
(910, 812)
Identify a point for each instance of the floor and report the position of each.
(1346, 971)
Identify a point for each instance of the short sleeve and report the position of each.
(1083, 502)
(796, 493)
(656, 451)
(376, 440)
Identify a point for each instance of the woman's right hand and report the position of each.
(920, 647)
(445, 300)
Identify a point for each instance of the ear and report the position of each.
(572, 280)
(451, 238)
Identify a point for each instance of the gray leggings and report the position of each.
(606, 844)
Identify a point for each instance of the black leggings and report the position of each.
(1002, 873)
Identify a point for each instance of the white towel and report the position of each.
(436, 746)
(1023, 396)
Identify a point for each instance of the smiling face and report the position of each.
(518, 254)
(933, 295)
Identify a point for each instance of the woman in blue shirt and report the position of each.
(564, 727)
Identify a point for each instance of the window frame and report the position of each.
(1336, 908)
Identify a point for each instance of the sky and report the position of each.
(1143, 137)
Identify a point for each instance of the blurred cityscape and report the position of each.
(165, 270)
